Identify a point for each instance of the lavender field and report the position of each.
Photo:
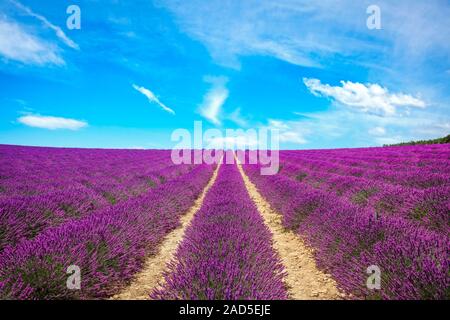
(122, 217)
(378, 206)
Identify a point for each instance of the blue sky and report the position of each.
(137, 70)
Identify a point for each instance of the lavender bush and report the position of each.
(226, 252)
(348, 237)
(45, 187)
(109, 244)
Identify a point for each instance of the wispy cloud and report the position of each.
(371, 98)
(214, 99)
(152, 98)
(341, 126)
(306, 33)
(58, 31)
(51, 123)
(244, 29)
(289, 131)
(237, 117)
(390, 140)
(377, 131)
(16, 43)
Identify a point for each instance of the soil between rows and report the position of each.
(303, 280)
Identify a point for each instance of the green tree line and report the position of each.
(445, 139)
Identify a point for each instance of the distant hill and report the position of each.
(412, 143)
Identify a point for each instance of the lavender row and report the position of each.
(434, 159)
(108, 246)
(374, 157)
(348, 239)
(405, 155)
(428, 207)
(226, 252)
(44, 187)
(24, 217)
(27, 171)
(412, 178)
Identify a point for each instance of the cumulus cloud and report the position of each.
(58, 31)
(371, 98)
(16, 43)
(51, 123)
(152, 98)
(214, 99)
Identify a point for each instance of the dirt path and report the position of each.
(303, 280)
(151, 274)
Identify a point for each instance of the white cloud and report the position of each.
(371, 98)
(278, 124)
(237, 117)
(152, 98)
(390, 140)
(18, 44)
(243, 29)
(305, 32)
(341, 126)
(214, 99)
(377, 131)
(289, 131)
(51, 123)
(58, 31)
